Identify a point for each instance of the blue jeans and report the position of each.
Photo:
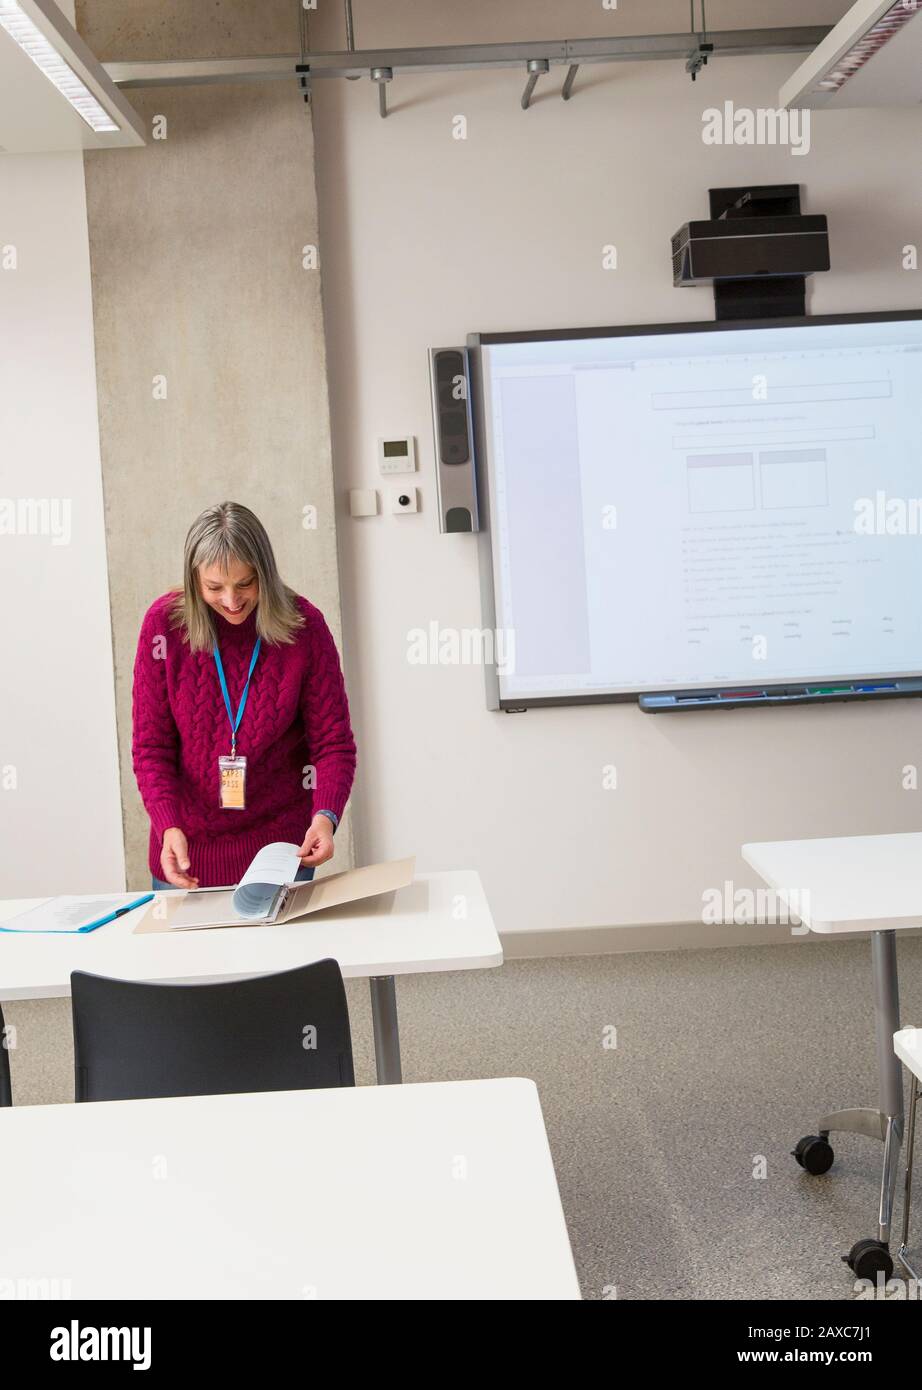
(304, 875)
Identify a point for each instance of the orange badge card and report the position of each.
(233, 774)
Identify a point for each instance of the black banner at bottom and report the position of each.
(278, 1339)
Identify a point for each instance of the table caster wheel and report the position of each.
(869, 1258)
(814, 1152)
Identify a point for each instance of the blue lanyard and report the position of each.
(235, 723)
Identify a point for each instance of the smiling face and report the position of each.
(233, 592)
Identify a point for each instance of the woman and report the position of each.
(241, 722)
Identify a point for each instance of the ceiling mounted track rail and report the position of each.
(382, 65)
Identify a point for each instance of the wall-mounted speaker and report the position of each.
(450, 381)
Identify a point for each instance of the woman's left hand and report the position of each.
(318, 842)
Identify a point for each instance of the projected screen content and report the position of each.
(704, 508)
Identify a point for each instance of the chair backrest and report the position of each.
(269, 1033)
(6, 1086)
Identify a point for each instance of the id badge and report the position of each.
(233, 775)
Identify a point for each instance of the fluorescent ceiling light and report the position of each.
(872, 57)
(46, 57)
(871, 42)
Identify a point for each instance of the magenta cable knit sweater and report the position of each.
(296, 719)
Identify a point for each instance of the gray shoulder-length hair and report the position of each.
(228, 532)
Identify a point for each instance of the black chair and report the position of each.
(281, 1032)
(6, 1087)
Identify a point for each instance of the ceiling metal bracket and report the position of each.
(535, 67)
(382, 76)
(566, 90)
(703, 49)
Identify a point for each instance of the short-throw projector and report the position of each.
(759, 231)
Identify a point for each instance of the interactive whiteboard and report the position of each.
(696, 507)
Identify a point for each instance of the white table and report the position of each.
(858, 883)
(440, 922)
(437, 1191)
(907, 1044)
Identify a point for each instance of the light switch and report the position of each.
(363, 501)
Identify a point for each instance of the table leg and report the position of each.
(889, 1067)
(907, 1190)
(886, 1122)
(384, 1023)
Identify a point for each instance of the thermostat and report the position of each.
(397, 455)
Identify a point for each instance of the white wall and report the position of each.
(426, 238)
(60, 824)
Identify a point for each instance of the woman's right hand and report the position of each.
(174, 859)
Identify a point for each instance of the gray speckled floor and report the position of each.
(722, 1056)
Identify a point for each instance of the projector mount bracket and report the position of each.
(768, 296)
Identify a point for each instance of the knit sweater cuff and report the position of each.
(331, 795)
(163, 815)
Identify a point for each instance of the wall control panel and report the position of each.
(397, 455)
